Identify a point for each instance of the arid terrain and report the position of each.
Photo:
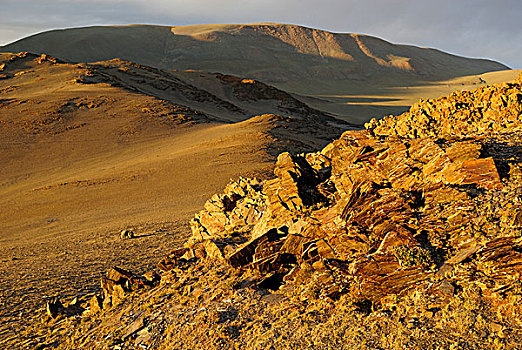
(402, 235)
(126, 136)
(90, 150)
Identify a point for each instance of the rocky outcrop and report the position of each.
(406, 221)
(478, 113)
(429, 199)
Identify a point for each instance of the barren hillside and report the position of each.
(90, 149)
(269, 52)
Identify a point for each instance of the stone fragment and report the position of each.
(213, 251)
(118, 294)
(482, 172)
(318, 265)
(463, 254)
(173, 259)
(119, 275)
(273, 298)
(325, 250)
(496, 327)
(429, 314)
(127, 234)
(294, 244)
(444, 270)
(95, 304)
(134, 327)
(517, 219)
(152, 277)
(245, 254)
(144, 338)
(167, 264)
(466, 150)
(54, 308)
(446, 288)
(107, 285)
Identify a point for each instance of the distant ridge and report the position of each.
(293, 57)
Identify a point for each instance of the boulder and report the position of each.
(127, 234)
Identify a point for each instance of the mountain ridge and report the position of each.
(246, 46)
(334, 69)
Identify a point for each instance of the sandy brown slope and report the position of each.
(87, 151)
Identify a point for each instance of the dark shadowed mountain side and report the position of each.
(293, 58)
(276, 53)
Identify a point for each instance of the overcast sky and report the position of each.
(473, 28)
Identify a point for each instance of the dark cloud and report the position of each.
(475, 28)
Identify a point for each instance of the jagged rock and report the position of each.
(246, 254)
(46, 58)
(152, 277)
(54, 308)
(483, 111)
(174, 259)
(95, 304)
(119, 275)
(119, 282)
(382, 211)
(239, 206)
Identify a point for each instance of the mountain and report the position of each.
(293, 58)
(268, 52)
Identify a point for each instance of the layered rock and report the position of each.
(478, 113)
(429, 199)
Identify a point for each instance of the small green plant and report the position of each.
(412, 256)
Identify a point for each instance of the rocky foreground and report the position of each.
(403, 235)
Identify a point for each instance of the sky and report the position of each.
(473, 28)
